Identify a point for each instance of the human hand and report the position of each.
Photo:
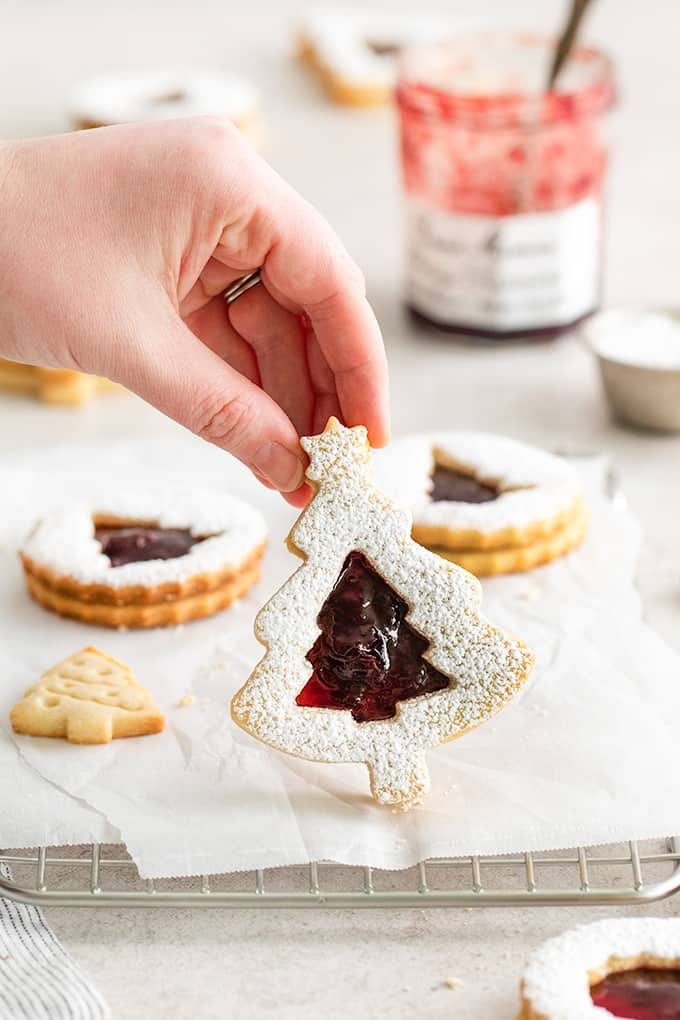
(117, 246)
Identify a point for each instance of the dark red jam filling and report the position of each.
(383, 48)
(134, 544)
(642, 994)
(367, 657)
(457, 487)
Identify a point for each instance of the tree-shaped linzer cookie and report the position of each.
(375, 647)
(89, 698)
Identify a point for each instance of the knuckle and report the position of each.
(339, 274)
(205, 143)
(227, 426)
(214, 132)
(247, 239)
(354, 277)
(247, 318)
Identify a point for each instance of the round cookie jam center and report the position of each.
(134, 544)
(383, 47)
(641, 994)
(453, 486)
(169, 98)
(367, 657)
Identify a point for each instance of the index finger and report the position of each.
(308, 268)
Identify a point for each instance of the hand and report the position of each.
(116, 247)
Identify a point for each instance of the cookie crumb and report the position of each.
(186, 700)
(452, 982)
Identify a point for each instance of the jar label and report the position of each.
(502, 273)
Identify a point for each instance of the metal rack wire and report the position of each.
(97, 875)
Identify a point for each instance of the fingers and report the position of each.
(326, 402)
(305, 268)
(300, 498)
(184, 379)
(278, 340)
(211, 325)
(263, 222)
(308, 267)
(214, 278)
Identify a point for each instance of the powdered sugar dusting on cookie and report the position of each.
(349, 513)
(359, 46)
(162, 94)
(535, 485)
(557, 979)
(64, 541)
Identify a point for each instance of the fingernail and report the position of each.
(280, 466)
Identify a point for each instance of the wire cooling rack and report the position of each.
(97, 875)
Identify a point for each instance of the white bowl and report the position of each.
(639, 394)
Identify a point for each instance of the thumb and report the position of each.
(188, 382)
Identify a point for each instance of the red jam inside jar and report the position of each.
(641, 994)
(503, 183)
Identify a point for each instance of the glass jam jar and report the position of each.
(504, 183)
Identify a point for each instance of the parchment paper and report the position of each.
(586, 754)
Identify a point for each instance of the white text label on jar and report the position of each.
(503, 273)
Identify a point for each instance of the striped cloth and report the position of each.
(38, 979)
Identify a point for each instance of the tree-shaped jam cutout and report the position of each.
(399, 686)
(367, 656)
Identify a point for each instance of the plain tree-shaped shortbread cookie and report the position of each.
(89, 698)
(375, 647)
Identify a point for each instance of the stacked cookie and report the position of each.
(491, 504)
(165, 93)
(354, 52)
(145, 559)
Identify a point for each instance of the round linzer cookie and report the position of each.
(490, 503)
(147, 559)
(354, 52)
(376, 648)
(624, 967)
(125, 97)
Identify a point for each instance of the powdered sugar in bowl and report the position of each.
(638, 352)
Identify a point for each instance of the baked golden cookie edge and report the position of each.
(87, 698)
(68, 572)
(485, 666)
(491, 562)
(557, 979)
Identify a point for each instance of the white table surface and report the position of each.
(210, 964)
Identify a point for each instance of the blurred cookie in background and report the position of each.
(52, 385)
(489, 503)
(354, 52)
(165, 93)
